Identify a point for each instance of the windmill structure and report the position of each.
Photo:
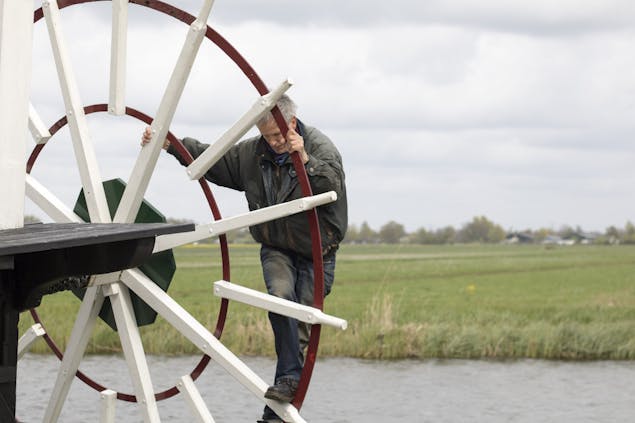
(99, 241)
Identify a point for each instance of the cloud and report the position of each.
(536, 17)
(521, 111)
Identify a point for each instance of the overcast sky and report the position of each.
(518, 110)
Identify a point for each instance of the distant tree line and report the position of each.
(482, 230)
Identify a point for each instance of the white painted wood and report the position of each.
(221, 226)
(273, 212)
(39, 131)
(105, 278)
(118, 50)
(133, 350)
(180, 319)
(277, 305)
(194, 400)
(166, 242)
(80, 335)
(107, 402)
(16, 42)
(49, 203)
(191, 328)
(31, 335)
(215, 151)
(82, 144)
(148, 156)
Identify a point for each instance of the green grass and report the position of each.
(409, 301)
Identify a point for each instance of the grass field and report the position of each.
(412, 301)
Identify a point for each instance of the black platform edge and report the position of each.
(53, 236)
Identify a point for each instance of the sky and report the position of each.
(521, 111)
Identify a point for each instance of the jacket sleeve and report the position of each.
(324, 167)
(225, 172)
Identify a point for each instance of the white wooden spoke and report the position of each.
(194, 399)
(16, 35)
(80, 335)
(215, 151)
(49, 203)
(133, 350)
(107, 401)
(84, 150)
(277, 305)
(221, 226)
(118, 49)
(272, 212)
(39, 131)
(189, 327)
(147, 159)
(30, 336)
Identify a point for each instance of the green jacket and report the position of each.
(249, 166)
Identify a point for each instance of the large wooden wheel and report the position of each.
(121, 287)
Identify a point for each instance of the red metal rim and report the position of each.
(303, 179)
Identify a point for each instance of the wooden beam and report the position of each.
(149, 155)
(118, 49)
(84, 150)
(214, 152)
(16, 43)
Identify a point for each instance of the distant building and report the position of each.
(585, 237)
(518, 238)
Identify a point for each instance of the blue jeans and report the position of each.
(290, 276)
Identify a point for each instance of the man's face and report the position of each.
(271, 133)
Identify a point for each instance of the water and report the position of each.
(351, 391)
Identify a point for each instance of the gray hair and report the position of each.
(287, 107)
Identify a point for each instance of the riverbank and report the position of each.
(412, 301)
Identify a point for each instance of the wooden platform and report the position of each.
(36, 256)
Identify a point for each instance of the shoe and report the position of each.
(284, 389)
(270, 421)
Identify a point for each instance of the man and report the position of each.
(263, 169)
